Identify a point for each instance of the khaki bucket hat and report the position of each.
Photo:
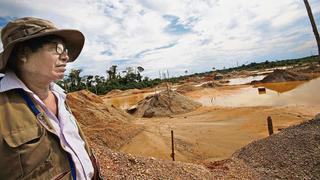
(26, 28)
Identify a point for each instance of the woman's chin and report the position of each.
(59, 75)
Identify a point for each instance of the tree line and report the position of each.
(131, 77)
(128, 79)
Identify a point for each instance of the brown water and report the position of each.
(277, 94)
(281, 87)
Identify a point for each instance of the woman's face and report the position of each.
(48, 62)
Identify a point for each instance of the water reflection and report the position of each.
(277, 94)
(281, 87)
(245, 80)
(274, 94)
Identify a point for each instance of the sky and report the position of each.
(178, 36)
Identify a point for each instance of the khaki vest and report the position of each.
(28, 150)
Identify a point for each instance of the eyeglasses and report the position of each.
(61, 48)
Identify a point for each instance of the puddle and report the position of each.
(245, 80)
(276, 94)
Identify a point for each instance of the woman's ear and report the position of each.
(22, 54)
(23, 59)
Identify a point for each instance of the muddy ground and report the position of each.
(215, 131)
(211, 132)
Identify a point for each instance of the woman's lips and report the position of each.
(61, 65)
(61, 68)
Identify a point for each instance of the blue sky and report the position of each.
(179, 35)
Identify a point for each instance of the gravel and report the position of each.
(294, 153)
(117, 165)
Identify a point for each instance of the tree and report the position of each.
(75, 79)
(94, 84)
(86, 80)
(112, 72)
(140, 69)
(314, 26)
(131, 75)
(129, 70)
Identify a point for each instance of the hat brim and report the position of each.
(74, 40)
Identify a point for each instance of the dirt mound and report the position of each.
(294, 153)
(165, 103)
(224, 81)
(312, 68)
(132, 91)
(85, 95)
(165, 84)
(281, 75)
(114, 92)
(186, 88)
(208, 78)
(211, 84)
(102, 123)
(194, 79)
(217, 76)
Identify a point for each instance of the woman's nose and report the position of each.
(64, 56)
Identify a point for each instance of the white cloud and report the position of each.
(218, 33)
(306, 46)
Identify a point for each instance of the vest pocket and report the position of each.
(10, 166)
(19, 137)
(32, 146)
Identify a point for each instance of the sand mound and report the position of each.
(164, 84)
(102, 123)
(114, 92)
(132, 91)
(165, 103)
(211, 84)
(294, 153)
(311, 68)
(280, 75)
(217, 76)
(85, 95)
(186, 88)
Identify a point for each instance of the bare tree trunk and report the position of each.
(314, 26)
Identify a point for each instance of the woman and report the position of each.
(39, 137)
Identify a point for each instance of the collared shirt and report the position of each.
(64, 124)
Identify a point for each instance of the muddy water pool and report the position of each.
(276, 94)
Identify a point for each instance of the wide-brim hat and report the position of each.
(27, 28)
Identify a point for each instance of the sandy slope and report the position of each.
(210, 133)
